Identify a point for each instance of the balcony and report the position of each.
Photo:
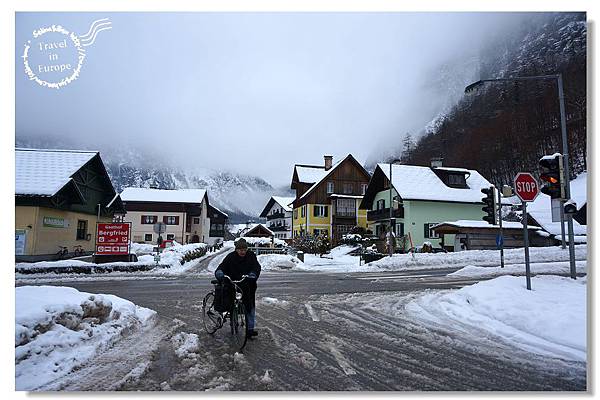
(214, 233)
(277, 215)
(383, 214)
(281, 228)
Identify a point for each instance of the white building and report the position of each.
(184, 212)
(279, 216)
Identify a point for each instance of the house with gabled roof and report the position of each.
(218, 224)
(327, 198)
(184, 213)
(278, 213)
(421, 198)
(60, 195)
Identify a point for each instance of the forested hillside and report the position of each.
(503, 128)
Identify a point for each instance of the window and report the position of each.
(171, 220)
(381, 204)
(295, 213)
(457, 180)
(346, 207)
(348, 188)
(149, 219)
(302, 211)
(330, 187)
(320, 211)
(430, 233)
(148, 237)
(170, 236)
(399, 229)
(363, 188)
(196, 221)
(81, 229)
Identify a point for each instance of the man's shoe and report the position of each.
(252, 333)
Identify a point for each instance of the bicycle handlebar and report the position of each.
(232, 281)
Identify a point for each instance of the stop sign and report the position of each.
(526, 186)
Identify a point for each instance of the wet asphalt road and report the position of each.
(321, 332)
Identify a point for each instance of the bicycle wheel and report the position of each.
(239, 326)
(211, 319)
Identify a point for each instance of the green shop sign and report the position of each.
(55, 222)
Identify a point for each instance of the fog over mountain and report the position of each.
(256, 93)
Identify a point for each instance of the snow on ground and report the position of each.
(277, 262)
(550, 319)
(59, 328)
(561, 267)
(475, 257)
(170, 257)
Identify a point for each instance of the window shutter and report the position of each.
(315, 211)
(143, 222)
(154, 219)
(164, 219)
(326, 210)
(426, 231)
(177, 220)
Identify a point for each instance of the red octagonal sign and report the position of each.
(526, 186)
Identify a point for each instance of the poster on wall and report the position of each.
(20, 241)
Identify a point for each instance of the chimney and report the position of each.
(328, 162)
(436, 162)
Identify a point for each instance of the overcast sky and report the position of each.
(248, 92)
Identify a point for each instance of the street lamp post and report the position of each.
(565, 148)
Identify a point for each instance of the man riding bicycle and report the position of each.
(237, 264)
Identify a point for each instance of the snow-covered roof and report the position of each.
(163, 195)
(464, 223)
(541, 208)
(284, 202)
(346, 196)
(579, 190)
(310, 174)
(421, 183)
(225, 214)
(318, 182)
(255, 226)
(44, 172)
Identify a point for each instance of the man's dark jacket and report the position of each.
(235, 266)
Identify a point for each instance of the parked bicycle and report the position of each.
(223, 304)
(62, 253)
(78, 251)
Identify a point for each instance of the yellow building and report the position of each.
(327, 198)
(60, 195)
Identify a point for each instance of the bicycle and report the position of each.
(62, 253)
(78, 251)
(213, 319)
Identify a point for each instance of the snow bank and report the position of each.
(274, 262)
(556, 268)
(263, 242)
(141, 248)
(550, 319)
(475, 258)
(171, 259)
(60, 328)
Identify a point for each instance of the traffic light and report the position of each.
(551, 174)
(490, 205)
(570, 207)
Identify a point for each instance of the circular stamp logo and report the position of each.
(54, 56)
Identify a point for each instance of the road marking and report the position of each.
(313, 315)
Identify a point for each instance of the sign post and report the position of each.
(527, 189)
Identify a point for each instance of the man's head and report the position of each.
(241, 246)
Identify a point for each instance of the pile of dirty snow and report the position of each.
(59, 328)
(274, 262)
(550, 319)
